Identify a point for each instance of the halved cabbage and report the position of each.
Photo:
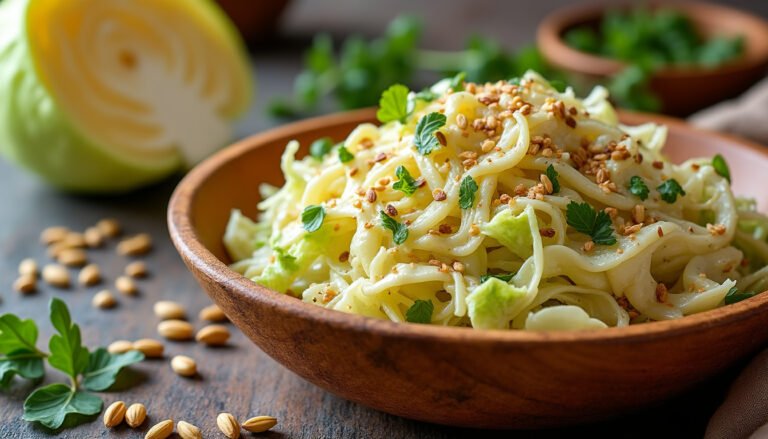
(102, 96)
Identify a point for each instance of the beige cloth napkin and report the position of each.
(744, 413)
(745, 116)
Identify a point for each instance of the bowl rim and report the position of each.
(196, 255)
(550, 41)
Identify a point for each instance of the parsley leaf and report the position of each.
(17, 334)
(393, 104)
(67, 353)
(51, 404)
(420, 312)
(425, 139)
(22, 362)
(721, 167)
(103, 368)
(425, 95)
(584, 218)
(399, 231)
(467, 189)
(505, 277)
(734, 295)
(552, 175)
(320, 147)
(312, 217)
(457, 82)
(19, 356)
(344, 155)
(669, 190)
(638, 188)
(406, 183)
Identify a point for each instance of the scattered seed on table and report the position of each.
(53, 234)
(120, 347)
(74, 240)
(135, 245)
(93, 237)
(212, 313)
(56, 275)
(259, 424)
(184, 366)
(109, 227)
(135, 415)
(28, 266)
(25, 284)
(228, 425)
(213, 335)
(89, 275)
(176, 330)
(114, 414)
(149, 347)
(188, 431)
(126, 286)
(169, 310)
(136, 269)
(161, 430)
(56, 248)
(104, 299)
(72, 257)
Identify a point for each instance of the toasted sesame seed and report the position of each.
(547, 183)
(370, 196)
(461, 121)
(441, 138)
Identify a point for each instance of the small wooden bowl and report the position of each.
(682, 90)
(459, 376)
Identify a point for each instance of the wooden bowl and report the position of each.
(682, 90)
(459, 376)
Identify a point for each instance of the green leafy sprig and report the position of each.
(54, 404)
(355, 75)
(585, 219)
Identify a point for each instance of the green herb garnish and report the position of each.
(425, 138)
(638, 188)
(393, 104)
(467, 189)
(669, 190)
(320, 147)
(399, 231)
(648, 40)
(312, 217)
(344, 155)
(585, 219)
(552, 175)
(53, 404)
(406, 183)
(457, 82)
(734, 295)
(356, 75)
(721, 167)
(420, 312)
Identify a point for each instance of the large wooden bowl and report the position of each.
(459, 376)
(682, 90)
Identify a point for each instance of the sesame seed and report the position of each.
(439, 195)
(461, 121)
